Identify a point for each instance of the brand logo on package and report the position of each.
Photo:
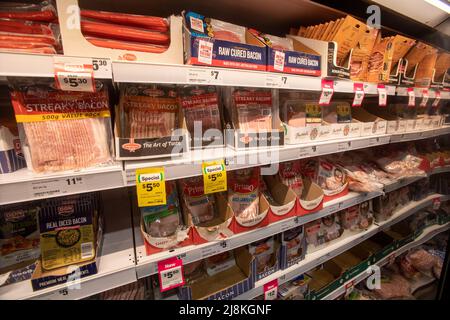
(131, 146)
(66, 209)
(15, 215)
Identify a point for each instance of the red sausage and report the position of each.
(126, 45)
(106, 30)
(25, 38)
(25, 27)
(153, 23)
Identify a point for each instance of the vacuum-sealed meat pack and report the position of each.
(62, 130)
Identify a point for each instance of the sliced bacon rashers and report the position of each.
(148, 22)
(126, 45)
(112, 31)
(146, 123)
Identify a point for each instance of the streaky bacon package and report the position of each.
(150, 122)
(218, 43)
(29, 28)
(202, 113)
(244, 199)
(62, 130)
(207, 215)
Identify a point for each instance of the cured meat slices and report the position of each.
(243, 193)
(253, 110)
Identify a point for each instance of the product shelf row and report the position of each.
(428, 234)
(337, 247)
(35, 65)
(24, 185)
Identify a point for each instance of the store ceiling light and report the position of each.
(440, 4)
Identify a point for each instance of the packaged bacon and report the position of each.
(200, 207)
(148, 111)
(200, 105)
(243, 193)
(301, 113)
(265, 253)
(43, 11)
(276, 43)
(252, 110)
(62, 130)
(290, 174)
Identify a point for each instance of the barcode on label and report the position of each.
(87, 250)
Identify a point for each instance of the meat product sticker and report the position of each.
(382, 95)
(74, 74)
(205, 51)
(436, 203)
(411, 97)
(151, 187)
(214, 176)
(327, 92)
(278, 61)
(425, 97)
(170, 273)
(271, 290)
(437, 99)
(359, 94)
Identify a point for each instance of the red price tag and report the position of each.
(437, 99)
(411, 97)
(436, 203)
(425, 97)
(170, 273)
(327, 92)
(359, 94)
(382, 95)
(271, 290)
(391, 259)
(74, 74)
(349, 286)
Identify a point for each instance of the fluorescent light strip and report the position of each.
(439, 4)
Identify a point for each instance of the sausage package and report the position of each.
(359, 217)
(213, 42)
(150, 123)
(266, 253)
(244, 198)
(293, 247)
(201, 106)
(323, 230)
(119, 36)
(208, 216)
(251, 118)
(81, 120)
(162, 226)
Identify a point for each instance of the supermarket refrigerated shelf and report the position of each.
(116, 266)
(428, 234)
(336, 247)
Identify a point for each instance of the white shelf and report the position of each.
(24, 185)
(334, 248)
(418, 93)
(116, 263)
(39, 65)
(427, 234)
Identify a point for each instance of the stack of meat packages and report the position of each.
(29, 28)
(125, 31)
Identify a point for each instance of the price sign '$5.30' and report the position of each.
(214, 176)
(74, 74)
(170, 273)
(151, 187)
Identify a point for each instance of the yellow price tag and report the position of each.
(214, 176)
(151, 187)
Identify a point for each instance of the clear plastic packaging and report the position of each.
(337, 112)
(290, 174)
(44, 11)
(264, 252)
(62, 130)
(301, 113)
(226, 31)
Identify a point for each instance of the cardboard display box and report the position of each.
(200, 49)
(370, 124)
(266, 267)
(238, 226)
(311, 199)
(75, 44)
(284, 200)
(227, 284)
(394, 123)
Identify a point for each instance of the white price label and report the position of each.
(278, 61)
(277, 81)
(306, 151)
(60, 186)
(437, 99)
(214, 249)
(327, 92)
(411, 97)
(344, 146)
(382, 96)
(374, 141)
(205, 52)
(425, 97)
(271, 290)
(204, 76)
(359, 94)
(74, 74)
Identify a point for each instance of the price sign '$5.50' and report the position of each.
(74, 74)
(214, 176)
(151, 187)
(170, 273)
